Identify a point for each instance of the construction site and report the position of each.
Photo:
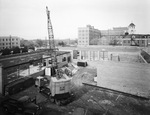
(104, 80)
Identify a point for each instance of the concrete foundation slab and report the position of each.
(133, 78)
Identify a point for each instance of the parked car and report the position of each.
(24, 105)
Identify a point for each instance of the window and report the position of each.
(142, 41)
(13, 39)
(64, 59)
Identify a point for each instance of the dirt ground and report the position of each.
(99, 101)
(91, 100)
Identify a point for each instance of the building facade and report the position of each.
(141, 40)
(87, 34)
(9, 42)
(115, 31)
(112, 34)
(131, 28)
(14, 68)
(124, 36)
(132, 39)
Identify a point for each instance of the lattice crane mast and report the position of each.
(52, 49)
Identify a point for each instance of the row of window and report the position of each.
(83, 34)
(129, 41)
(82, 41)
(8, 39)
(93, 31)
(126, 41)
(82, 44)
(86, 35)
(83, 30)
(8, 43)
(83, 37)
(3, 47)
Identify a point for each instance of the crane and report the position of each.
(58, 88)
(52, 49)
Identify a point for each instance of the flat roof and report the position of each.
(24, 58)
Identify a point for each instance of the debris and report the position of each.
(69, 113)
(106, 102)
(118, 97)
(91, 101)
(78, 111)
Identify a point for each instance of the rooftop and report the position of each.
(132, 25)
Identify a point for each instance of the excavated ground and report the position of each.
(90, 100)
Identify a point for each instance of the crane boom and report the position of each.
(52, 49)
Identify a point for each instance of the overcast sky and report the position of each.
(28, 19)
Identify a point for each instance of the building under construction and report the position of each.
(20, 66)
(15, 67)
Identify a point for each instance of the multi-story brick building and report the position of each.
(121, 35)
(9, 42)
(87, 34)
(115, 31)
(141, 40)
(113, 34)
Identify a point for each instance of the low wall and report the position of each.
(40, 73)
(145, 56)
(141, 59)
(111, 48)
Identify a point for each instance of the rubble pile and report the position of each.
(87, 77)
